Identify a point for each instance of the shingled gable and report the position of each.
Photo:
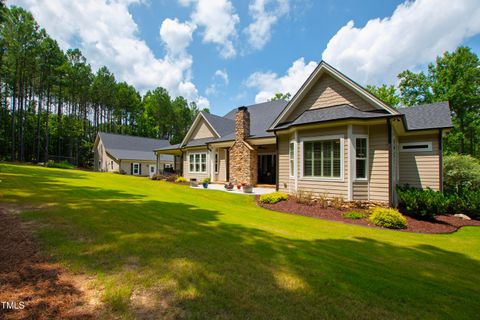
(325, 68)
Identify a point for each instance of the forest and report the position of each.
(52, 104)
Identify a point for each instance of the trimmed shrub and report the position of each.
(422, 204)
(60, 165)
(180, 180)
(388, 218)
(467, 202)
(353, 215)
(273, 197)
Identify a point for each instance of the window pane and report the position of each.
(291, 149)
(327, 158)
(336, 168)
(307, 159)
(361, 168)
(317, 159)
(361, 147)
(291, 167)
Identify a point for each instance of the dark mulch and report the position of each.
(442, 224)
(45, 289)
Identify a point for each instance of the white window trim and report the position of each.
(206, 162)
(138, 168)
(291, 171)
(355, 137)
(342, 157)
(428, 149)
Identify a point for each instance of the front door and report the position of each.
(267, 168)
(152, 170)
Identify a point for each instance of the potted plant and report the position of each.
(247, 188)
(205, 183)
(229, 186)
(239, 186)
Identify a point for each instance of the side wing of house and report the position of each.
(102, 160)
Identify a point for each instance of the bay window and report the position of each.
(322, 158)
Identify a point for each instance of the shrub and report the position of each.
(304, 197)
(273, 197)
(338, 202)
(323, 200)
(388, 218)
(467, 202)
(423, 204)
(353, 215)
(60, 165)
(180, 180)
(460, 172)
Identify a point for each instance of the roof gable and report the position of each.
(317, 100)
(200, 124)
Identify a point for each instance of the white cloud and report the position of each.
(414, 35)
(219, 21)
(107, 35)
(259, 31)
(269, 83)
(222, 74)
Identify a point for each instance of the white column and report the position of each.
(212, 164)
(295, 159)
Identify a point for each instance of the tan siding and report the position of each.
(360, 190)
(420, 169)
(222, 166)
(103, 160)
(202, 131)
(378, 163)
(126, 166)
(186, 169)
(329, 92)
(285, 184)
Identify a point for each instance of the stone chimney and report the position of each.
(243, 162)
(242, 123)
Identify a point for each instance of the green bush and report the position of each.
(353, 215)
(60, 165)
(460, 172)
(421, 203)
(207, 180)
(273, 197)
(467, 202)
(388, 218)
(180, 180)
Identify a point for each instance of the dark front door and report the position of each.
(267, 168)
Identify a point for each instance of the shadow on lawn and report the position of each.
(201, 267)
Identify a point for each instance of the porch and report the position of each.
(256, 190)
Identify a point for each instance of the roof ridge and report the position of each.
(128, 135)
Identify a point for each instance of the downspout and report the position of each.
(389, 129)
(440, 156)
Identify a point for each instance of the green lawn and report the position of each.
(209, 254)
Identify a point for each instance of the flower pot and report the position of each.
(247, 189)
(205, 185)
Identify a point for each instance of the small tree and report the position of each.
(461, 171)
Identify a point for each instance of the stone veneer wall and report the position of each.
(243, 162)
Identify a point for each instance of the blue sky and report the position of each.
(224, 53)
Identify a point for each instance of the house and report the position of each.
(332, 138)
(129, 154)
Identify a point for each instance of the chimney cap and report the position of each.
(242, 108)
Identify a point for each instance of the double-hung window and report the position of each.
(216, 162)
(361, 158)
(322, 158)
(291, 158)
(198, 162)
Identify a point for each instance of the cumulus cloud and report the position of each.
(414, 35)
(219, 22)
(107, 35)
(213, 88)
(269, 83)
(222, 74)
(265, 13)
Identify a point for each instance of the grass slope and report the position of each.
(209, 254)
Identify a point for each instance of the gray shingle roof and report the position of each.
(262, 116)
(222, 125)
(339, 112)
(133, 148)
(427, 116)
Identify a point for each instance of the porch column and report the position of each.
(350, 161)
(212, 164)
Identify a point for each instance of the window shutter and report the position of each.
(131, 168)
(139, 169)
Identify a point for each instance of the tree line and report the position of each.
(453, 77)
(53, 104)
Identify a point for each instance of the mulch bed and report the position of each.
(442, 224)
(44, 290)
